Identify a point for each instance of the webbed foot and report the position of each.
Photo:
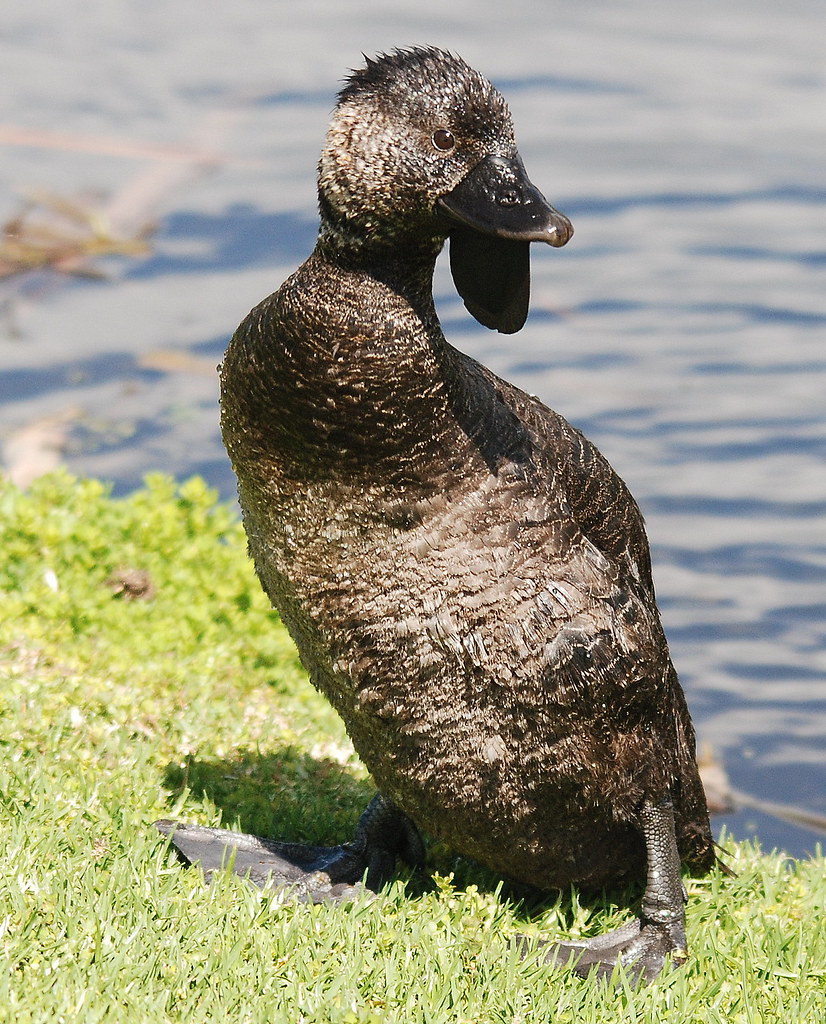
(311, 874)
(643, 948)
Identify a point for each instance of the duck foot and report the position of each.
(642, 948)
(310, 874)
(645, 946)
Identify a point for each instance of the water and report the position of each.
(682, 329)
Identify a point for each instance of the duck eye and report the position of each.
(443, 139)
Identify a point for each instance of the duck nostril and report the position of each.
(509, 198)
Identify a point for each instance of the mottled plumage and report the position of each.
(466, 578)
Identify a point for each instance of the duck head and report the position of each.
(421, 148)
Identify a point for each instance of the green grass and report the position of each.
(115, 712)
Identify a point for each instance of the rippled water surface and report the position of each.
(683, 328)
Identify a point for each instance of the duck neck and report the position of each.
(360, 382)
(401, 258)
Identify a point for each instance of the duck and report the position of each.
(467, 580)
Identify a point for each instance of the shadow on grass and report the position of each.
(286, 795)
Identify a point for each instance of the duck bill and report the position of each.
(497, 198)
(495, 212)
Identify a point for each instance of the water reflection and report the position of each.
(242, 236)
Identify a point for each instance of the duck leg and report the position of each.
(644, 945)
(311, 873)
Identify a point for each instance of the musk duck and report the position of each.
(467, 580)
